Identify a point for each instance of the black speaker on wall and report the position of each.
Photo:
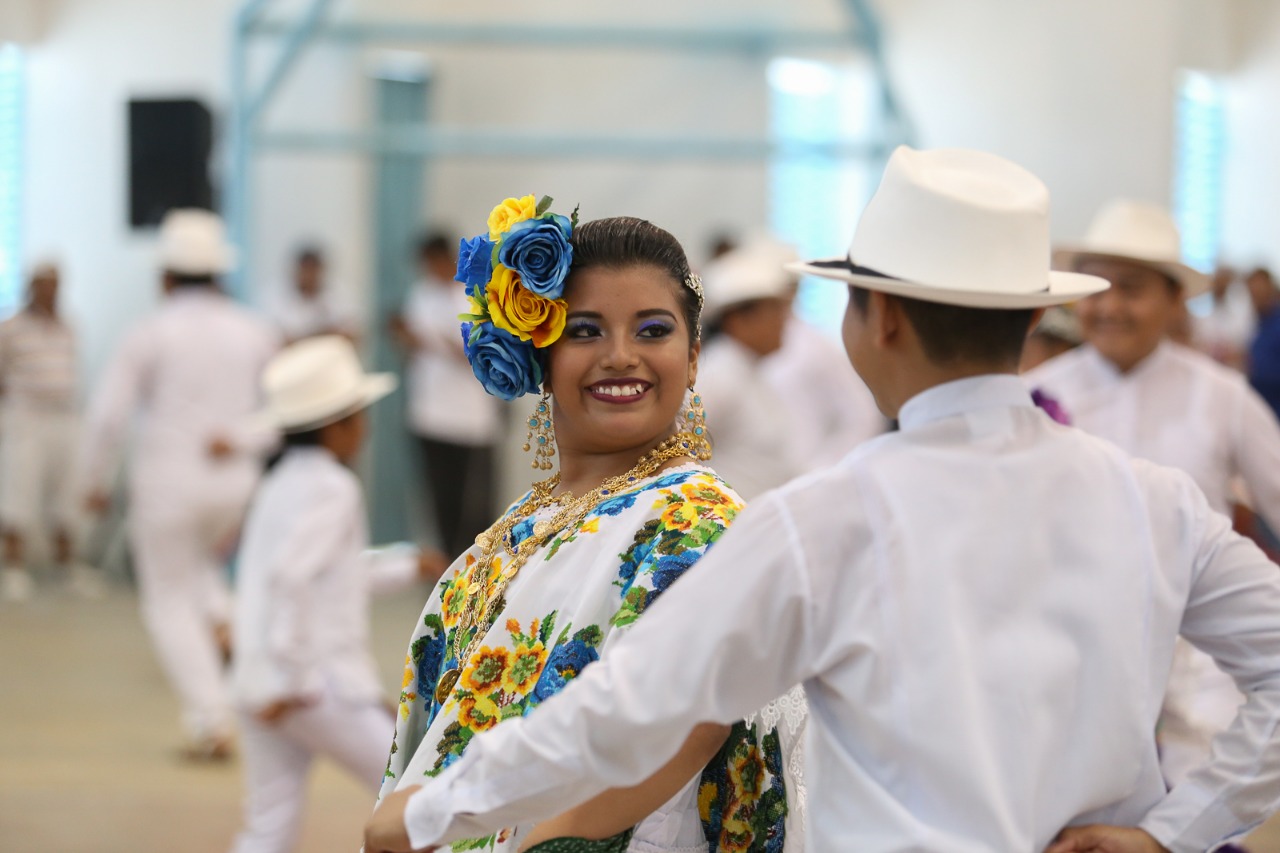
(169, 146)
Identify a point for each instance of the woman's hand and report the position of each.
(385, 832)
(1105, 839)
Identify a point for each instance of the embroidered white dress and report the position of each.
(566, 608)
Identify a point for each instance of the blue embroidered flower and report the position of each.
(506, 366)
(616, 505)
(669, 569)
(632, 560)
(539, 250)
(428, 657)
(475, 264)
(563, 665)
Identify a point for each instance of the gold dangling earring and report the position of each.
(694, 424)
(541, 437)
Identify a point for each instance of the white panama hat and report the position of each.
(194, 242)
(1136, 231)
(756, 270)
(957, 227)
(318, 381)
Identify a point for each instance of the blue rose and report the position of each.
(563, 665)
(506, 366)
(539, 250)
(669, 569)
(475, 263)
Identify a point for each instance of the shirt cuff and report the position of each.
(424, 824)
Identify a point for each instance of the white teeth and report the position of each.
(620, 390)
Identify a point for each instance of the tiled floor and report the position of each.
(88, 732)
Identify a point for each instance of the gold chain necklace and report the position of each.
(483, 606)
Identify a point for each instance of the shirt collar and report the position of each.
(990, 391)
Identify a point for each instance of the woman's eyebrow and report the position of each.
(595, 315)
(655, 312)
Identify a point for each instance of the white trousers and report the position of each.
(179, 552)
(37, 464)
(277, 759)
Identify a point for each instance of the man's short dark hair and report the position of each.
(189, 280)
(306, 438)
(436, 244)
(953, 334)
(309, 254)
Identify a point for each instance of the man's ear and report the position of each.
(885, 319)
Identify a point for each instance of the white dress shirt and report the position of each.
(303, 586)
(982, 608)
(754, 447)
(192, 370)
(445, 400)
(1182, 409)
(1179, 408)
(298, 316)
(830, 409)
(38, 361)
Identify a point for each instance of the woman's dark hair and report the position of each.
(625, 241)
(185, 280)
(951, 334)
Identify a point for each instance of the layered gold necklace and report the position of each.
(483, 603)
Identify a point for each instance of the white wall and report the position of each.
(1080, 92)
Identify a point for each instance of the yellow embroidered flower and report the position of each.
(405, 699)
(513, 626)
(511, 211)
(746, 773)
(706, 796)
(408, 672)
(486, 669)
(526, 666)
(478, 713)
(680, 516)
(592, 526)
(452, 600)
(516, 309)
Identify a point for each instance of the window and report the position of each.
(10, 175)
(1200, 149)
(816, 196)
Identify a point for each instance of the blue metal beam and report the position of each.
(740, 39)
(442, 142)
(296, 40)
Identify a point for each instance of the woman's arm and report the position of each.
(619, 809)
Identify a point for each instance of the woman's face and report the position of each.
(619, 373)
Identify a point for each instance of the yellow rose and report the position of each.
(523, 313)
(511, 211)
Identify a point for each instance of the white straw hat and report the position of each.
(757, 270)
(1136, 231)
(957, 227)
(194, 242)
(318, 381)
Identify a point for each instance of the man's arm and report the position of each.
(736, 631)
(119, 394)
(1233, 614)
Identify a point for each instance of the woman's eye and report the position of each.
(582, 330)
(655, 330)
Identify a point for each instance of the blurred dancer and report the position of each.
(455, 421)
(748, 304)
(304, 678)
(1170, 404)
(38, 383)
(191, 371)
(307, 305)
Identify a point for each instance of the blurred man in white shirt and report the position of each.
(1170, 404)
(190, 370)
(40, 437)
(309, 305)
(456, 423)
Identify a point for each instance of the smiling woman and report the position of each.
(565, 571)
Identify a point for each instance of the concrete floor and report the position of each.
(89, 735)
(88, 739)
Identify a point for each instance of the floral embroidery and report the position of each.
(742, 797)
(556, 620)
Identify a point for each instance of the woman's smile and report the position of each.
(620, 391)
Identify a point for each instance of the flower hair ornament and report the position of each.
(515, 278)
